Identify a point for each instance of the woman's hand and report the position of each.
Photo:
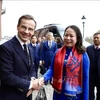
(41, 81)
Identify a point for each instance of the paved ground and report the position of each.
(48, 89)
(49, 92)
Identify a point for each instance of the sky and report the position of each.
(47, 12)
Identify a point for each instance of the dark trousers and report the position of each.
(94, 82)
(47, 64)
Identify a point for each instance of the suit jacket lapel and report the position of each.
(17, 46)
(30, 54)
(92, 50)
(31, 57)
(46, 44)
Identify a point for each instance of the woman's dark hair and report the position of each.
(27, 17)
(79, 45)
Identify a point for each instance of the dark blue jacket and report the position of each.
(91, 51)
(47, 53)
(15, 71)
(35, 54)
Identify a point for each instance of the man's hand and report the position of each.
(35, 86)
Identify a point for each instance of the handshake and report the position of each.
(36, 84)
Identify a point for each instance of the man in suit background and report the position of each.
(36, 52)
(94, 55)
(48, 49)
(17, 68)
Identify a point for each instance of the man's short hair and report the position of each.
(27, 17)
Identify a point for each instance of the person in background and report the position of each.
(48, 49)
(43, 39)
(69, 69)
(16, 64)
(94, 55)
(36, 52)
(41, 45)
(59, 42)
(39, 40)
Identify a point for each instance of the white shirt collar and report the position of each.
(50, 41)
(33, 44)
(96, 46)
(20, 41)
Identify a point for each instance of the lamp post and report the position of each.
(83, 22)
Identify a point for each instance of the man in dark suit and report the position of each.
(36, 52)
(16, 63)
(94, 55)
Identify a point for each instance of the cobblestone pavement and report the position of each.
(48, 89)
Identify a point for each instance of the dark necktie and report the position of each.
(97, 48)
(25, 49)
(27, 54)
